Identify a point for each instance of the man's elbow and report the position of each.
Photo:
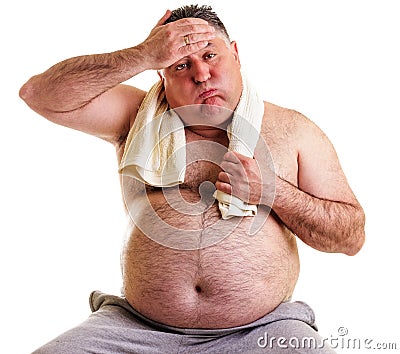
(24, 91)
(27, 92)
(31, 94)
(356, 245)
(357, 238)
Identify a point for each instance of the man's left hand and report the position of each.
(241, 177)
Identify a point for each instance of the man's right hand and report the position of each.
(83, 92)
(166, 43)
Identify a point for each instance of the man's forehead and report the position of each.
(213, 45)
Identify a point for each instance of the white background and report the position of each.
(62, 220)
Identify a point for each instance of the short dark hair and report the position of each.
(204, 12)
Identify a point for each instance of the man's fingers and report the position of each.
(224, 177)
(229, 167)
(232, 157)
(164, 18)
(196, 28)
(199, 37)
(191, 21)
(223, 187)
(168, 43)
(193, 48)
(196, 37)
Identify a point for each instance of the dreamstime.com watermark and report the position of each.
(341, 340)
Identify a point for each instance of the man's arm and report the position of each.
(84, 92)
(328, 225)
(322, 210)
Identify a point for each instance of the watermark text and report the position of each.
(341, 340)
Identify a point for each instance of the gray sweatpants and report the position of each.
(115, 327)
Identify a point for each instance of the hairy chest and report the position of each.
(203, 160)
(276, 150)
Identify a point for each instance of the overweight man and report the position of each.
(197, 279)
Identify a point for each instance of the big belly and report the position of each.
(195, 270)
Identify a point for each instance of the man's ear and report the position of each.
(235, 51)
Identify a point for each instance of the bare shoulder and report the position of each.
(294, 134)
(286, 118)
(289, 124)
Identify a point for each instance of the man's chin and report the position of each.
(205, 114)
(212, 108)
(213, 101)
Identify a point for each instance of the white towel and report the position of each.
(155, 148)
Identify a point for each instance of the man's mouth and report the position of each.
(207, 94)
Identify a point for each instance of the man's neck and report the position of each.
(216, 134)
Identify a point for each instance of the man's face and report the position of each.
(210, 77)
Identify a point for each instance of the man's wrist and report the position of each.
(269, 192)
(131, 61)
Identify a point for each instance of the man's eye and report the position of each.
(210, 55)
(181, 66)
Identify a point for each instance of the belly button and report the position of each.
(198, 289)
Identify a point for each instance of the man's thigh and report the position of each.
(114, 327)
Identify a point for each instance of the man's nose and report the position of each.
(201, 72)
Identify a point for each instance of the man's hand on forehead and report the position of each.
(169, 43)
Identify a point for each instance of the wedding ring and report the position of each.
(186, 39)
